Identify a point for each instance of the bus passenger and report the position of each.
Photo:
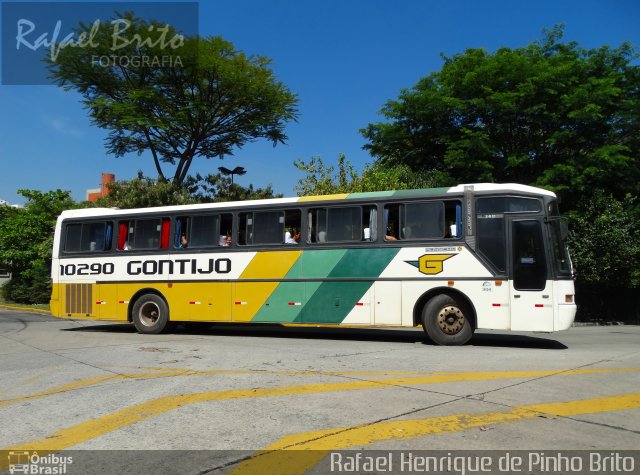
(225, 240)
(292, 237)
(389, 234)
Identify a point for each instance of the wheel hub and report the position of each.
(451, 320)
(149, 314)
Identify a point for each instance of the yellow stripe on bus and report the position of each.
(337, 196)
(249, 297)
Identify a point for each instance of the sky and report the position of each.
(343, 58)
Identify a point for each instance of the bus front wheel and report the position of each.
(447, 321)
(150, 314)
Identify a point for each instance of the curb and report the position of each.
(26, 309)
(604, 324)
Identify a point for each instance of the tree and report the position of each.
(551, 114)
(26, 239)
(321, 179)
(215, 188)
(605, 241)
(145, 192)
(195, 97)
(605, 247)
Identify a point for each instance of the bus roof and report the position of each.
(415, 193)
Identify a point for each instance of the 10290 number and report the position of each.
(87, 269)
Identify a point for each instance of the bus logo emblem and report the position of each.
(430, 264)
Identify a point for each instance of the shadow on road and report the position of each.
(501, 340)
(515, 341)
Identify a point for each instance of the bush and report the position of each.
(604, 247)
(30, 287)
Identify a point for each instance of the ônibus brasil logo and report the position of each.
(28, 462)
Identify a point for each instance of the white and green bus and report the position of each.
(453, 260)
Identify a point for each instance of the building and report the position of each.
(95, 193)
(6, 203)
(5, 276)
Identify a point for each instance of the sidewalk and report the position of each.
(26, 309)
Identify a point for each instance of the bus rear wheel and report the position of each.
(447, 321)
(150, 314)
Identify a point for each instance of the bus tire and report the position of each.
(150, 314)
(447, 321)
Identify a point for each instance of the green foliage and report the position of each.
(216, 188)
(26, 234)
(143, 192)
(202, 98)
(26, 238)
(321, 179)
(605, 242)
(605, 247)
(32, 286)
(551, 114)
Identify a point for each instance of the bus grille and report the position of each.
(79, 298)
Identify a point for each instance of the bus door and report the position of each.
(531, 291)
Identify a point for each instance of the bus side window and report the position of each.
(147, 233)
(245, 226)
(292, 226)
(225, 230)
(88, 237)
(262, 227)
(423, 220)
(317, 225)
(370, 223)
(345, 224)
(268, 227)
(73, 236)
(453, 219)
(108, 236)
(150, 233)
(181, 233)
(123, 235)
(391, 224)
(165, 233)
(209, 230)
(341, 223)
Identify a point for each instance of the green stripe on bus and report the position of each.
(422, 192)
(287, 301)
(371, 194)
(333, 301)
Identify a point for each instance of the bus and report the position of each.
(452, 260)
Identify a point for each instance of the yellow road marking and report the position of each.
(297, 453)
(26, 382)
(176, 372)
(96, 427)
